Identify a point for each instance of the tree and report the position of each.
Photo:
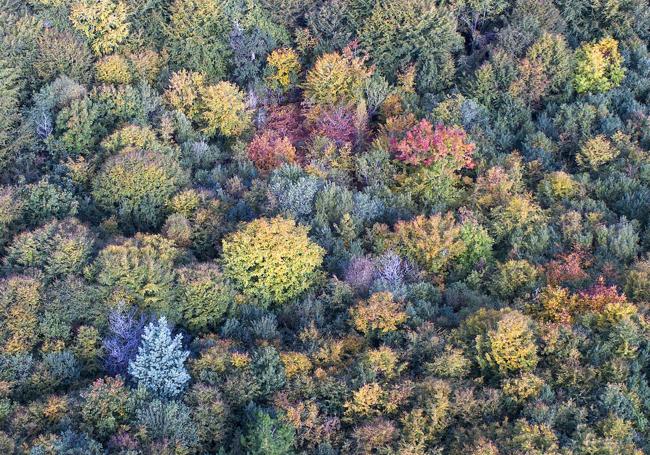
(113, 69)
(140, 271)
(137, 186)
(58, 248)
(599, 66)
(197, 36)
(432, 243)
(508, 346)
(266, 435)
(159, 364)
(224, 110)
(107, 405)
(203, 295)
(414, 32)
(269, 150)
(184, 92)
(63, 53)
(9, 104)
(335, 79)
(102, 22)
(596, 152)
(20, 305)
(271, 260)
(168, 423)
(121, 345)
(282, 68)
(379, 314)
(424, 145)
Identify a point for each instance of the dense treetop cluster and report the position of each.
(273, 227)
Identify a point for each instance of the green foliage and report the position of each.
(335, 79)
(141, 272)
(9, 103)
(503, 341)
(44, 200)
(136, 186)
(398, 34)
(599, 66)
(266, 435)
(62, 53)
(107, 405)
(203, 296)
(103, 23)
(20, 301)
(210, 415)
(433, 243)
(271, 260)
(224, 110)
(197, 36)
(596, 152)
(57, 249)
(167, 423)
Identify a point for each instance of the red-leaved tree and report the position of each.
(424, 145)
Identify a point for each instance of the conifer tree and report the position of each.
(159, 363)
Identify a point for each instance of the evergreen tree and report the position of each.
(159, 363)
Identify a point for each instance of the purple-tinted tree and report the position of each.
(121, 346)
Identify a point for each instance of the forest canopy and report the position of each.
(285, 227)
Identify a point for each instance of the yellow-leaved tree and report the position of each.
(271, 260)
(102, 22)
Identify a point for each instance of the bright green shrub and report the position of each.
(136, 186)
(271, 260)
(203, 296)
